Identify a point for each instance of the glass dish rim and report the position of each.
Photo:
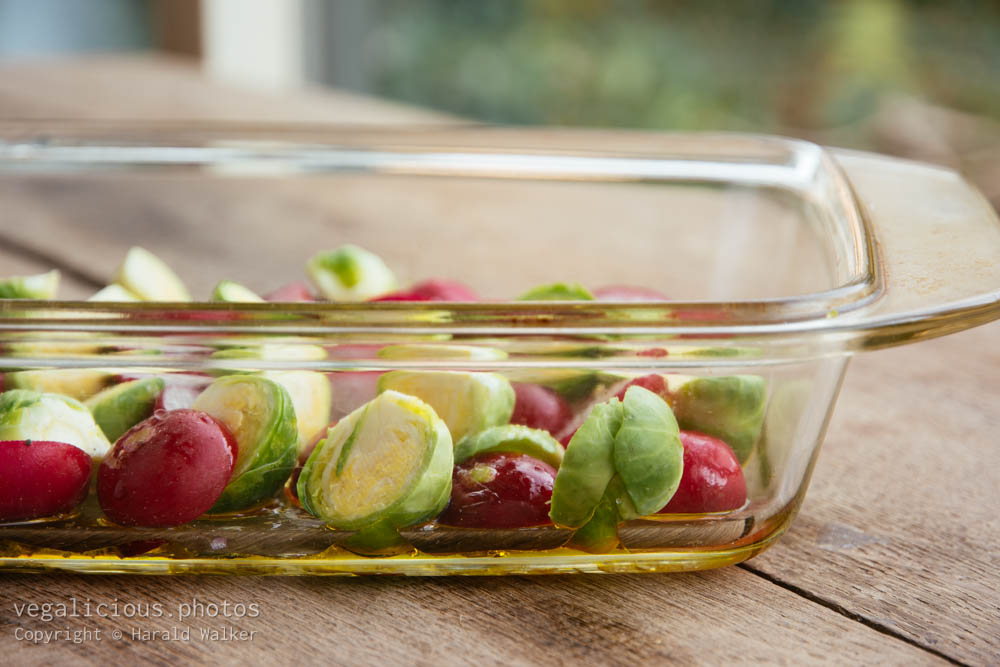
(837, 319)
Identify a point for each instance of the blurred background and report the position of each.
(916, 78)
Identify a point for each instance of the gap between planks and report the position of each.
(847, 613)
(17, 247)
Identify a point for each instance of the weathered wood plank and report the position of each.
(900, 525)
(720, 617)
(161, 88)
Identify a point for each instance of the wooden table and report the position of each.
(893, 559)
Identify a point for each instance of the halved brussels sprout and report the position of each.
(600, 533)
(730, 408)
(232, 292)
(264, 352)
(259, 414)
(571, 383)
(648, 453)
(627, 453)
(557, 292)
(81, 345)
(75, 383)
(119, 408)
(149, 278)
(443, 352)
(113, 292)
(388, 461)
(587, 467)
(513, 438)
(312, 399)
(467, 402)
(33, 415)
(350, 273)
(41, 286)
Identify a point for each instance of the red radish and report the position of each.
(540, 407)
(432, 290)
(500, 491)
(166, 470)
(296, 292)
(653, 382)
(710, 315)
(40, 478)
(712, 480)
(354, 351)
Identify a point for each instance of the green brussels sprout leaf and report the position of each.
(513, 438)
(42, 286)
(119, 408)
(557, 292)
(648, 453)
(587, 467)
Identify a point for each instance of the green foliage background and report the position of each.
(767, 66)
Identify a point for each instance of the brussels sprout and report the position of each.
(587, 466)
(600, 533)
(350, 273)
(626, 455)
(388, 461)
(78, 384)
(648, 453)
(557, 292)
(145, 275)
(260, 415)
(570, 383)
(311, 397)
(723, 352)
(457, 352)
(119, 408)
(42, 286)
(511, 438)
(265, 352)
(273, 352)
(467, 402)
(381, 538)
(113, 292)
(78, 345)
(730, 408)
(232, 292)
(33, 415)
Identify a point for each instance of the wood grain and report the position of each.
(161, 88)
(720, 617)
(900, 525)
(899, 528)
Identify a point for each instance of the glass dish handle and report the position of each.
(937, 241)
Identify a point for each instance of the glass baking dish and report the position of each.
(780, 258)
